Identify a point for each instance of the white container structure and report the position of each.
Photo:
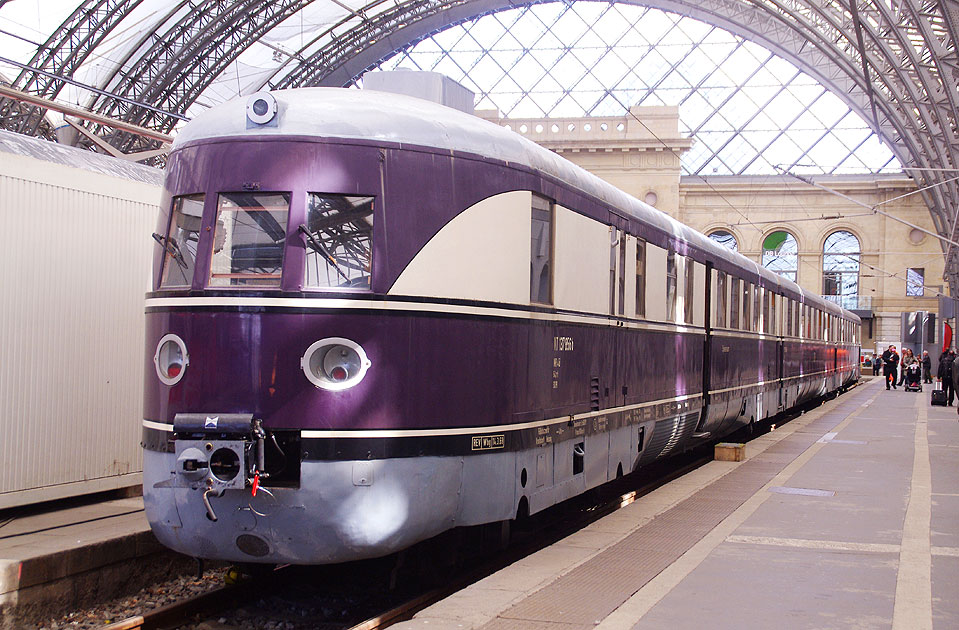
(75, 260)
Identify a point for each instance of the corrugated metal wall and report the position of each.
(75, 256)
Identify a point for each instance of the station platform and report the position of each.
(846, 517)
(59, 560)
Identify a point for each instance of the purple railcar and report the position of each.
(376, 319)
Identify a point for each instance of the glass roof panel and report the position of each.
(611, 55)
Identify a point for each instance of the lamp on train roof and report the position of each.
(261, 108)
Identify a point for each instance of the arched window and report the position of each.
(781, 254)
(840, 269)
(726, 239)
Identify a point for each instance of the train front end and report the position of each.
(259, 335)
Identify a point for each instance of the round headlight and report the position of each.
(261, 108)
(335, 363)
(171, 359)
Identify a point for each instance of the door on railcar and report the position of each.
(781, 369)
(619, 228)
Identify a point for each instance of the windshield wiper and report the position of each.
(172, 248)
(319, 247)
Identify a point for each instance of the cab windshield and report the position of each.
(249, 239)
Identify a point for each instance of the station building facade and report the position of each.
(821, 232)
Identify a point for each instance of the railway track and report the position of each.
(540, 531)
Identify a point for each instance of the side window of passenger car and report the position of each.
(721, 302)
(640, 278)
(671, 286)
(755, 308)
(541, 252)
(747, 302)
(734, 298)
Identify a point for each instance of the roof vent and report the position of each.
(430, 86)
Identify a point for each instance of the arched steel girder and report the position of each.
(62, 54)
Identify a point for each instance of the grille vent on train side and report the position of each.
(667, 434)
(594, 393)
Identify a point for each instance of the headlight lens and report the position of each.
(171, 359)
(335, 363)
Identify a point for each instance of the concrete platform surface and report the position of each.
(60, 560)
(847, 517)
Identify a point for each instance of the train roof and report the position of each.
(394, 118)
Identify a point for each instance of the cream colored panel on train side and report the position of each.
(699, 300)
(655, 283)
(581, 276)
(482, 254)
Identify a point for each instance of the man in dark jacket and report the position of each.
(890, 361)
(945, 374)
(926, 367)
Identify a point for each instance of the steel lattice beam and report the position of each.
(62, 54)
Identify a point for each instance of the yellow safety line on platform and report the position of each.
(913, 609)
(636, 607)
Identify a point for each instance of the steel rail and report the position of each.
(172, 614)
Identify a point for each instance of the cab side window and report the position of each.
(180, 242)
(339, 242)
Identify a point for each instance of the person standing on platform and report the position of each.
(926, 367)
(908, 358)
(890, 361)
(876, 364)
(945, 374)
